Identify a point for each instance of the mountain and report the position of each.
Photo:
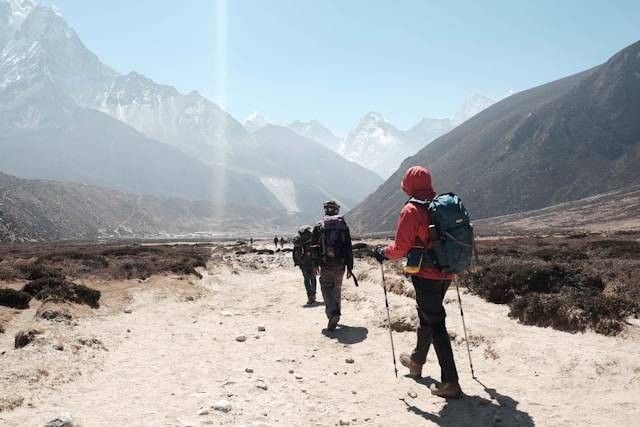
(470, 107)
(320, 174)
(46, 132)
(375, 144)
(378, 145)
(67, 116)
(255, 121)
(562, 141)
(317, 132)
(188, 122)
(49, 210)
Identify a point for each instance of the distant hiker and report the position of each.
(275, 242)
(303, 258)
(282, 242)
(251, 241)
(429, 282)
(332, 238)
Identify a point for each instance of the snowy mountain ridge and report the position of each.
(378, 145)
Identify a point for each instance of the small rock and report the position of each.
(64, 420)
(241, 338)
(128, 330)
(203, 411)
(59, 347)
(127, 311)
(412, 394)
(222, 405)
(349, 360)
(257, 337)
(23, 338)
(249, 371)
(262, 386)
(291, 371)
(344, 423)
(261, 328)
(298, 377)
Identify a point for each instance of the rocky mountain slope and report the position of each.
(378, 145)
(565, 140)
(35, 210)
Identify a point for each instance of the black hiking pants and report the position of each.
(429, 297)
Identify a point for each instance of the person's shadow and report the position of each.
(347, 334)
(475, 410)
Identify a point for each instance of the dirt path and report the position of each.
(173, 356)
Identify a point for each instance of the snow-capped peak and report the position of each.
(372, 117)
(21, 8)
(316, 131)
(471, 106)
(255, 121)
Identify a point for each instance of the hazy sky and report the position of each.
(335, 60)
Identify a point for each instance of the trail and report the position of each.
(173, 356)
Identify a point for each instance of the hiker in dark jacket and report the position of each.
(430, 285)
(275, 242)
(303, 258)
(282, 242)
(332, 238)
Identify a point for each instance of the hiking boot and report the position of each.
(415, 369)
(333, 322)
(311, 299)
(448, 391)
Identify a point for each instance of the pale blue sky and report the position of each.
(335, 60)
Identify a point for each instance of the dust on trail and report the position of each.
(175, 354)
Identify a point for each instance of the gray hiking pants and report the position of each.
(331, 286)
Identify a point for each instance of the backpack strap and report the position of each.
(429, 252)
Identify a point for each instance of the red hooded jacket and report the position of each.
(413, 224)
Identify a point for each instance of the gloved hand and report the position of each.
(379, 254)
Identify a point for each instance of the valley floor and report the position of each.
(161, 352)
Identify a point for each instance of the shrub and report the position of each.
(14, 299)
(617, 248)
(555, 254)
(573, 311)
(502, 281)
(34, 271)
(60, 290)
(131, 251)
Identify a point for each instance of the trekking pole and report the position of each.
(386, 302)
(464, 327)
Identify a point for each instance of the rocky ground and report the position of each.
(239, 347)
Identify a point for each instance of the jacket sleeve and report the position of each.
(348, 252)
(406, 233)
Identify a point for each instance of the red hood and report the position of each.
(416, 182)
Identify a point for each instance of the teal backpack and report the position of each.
(450, 232)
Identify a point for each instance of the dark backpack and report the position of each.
(333, 239)
(302, 253)
(450, 232)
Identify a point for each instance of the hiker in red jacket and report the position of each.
(430, 285)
